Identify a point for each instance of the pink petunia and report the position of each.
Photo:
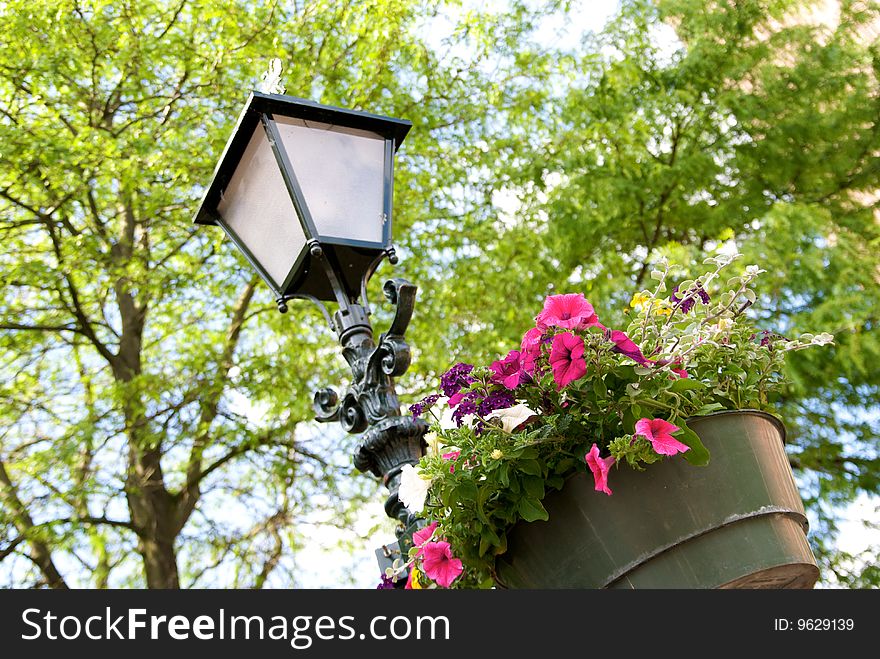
(624, 345)
(453, 456)
(530, 349)
(455, 399)
(679, 370)
(675, 367)
(439, 564)
(599, 467)
(659, 433)
(532, 339)
(569, 310)
(567, 359)
(421, 537)
(507, 371)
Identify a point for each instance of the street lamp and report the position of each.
(304, 191)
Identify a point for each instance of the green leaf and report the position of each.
(708, 409)
(534, 486)
(504, 474)
(565, 464)
(532, 467)
(532, 510)
(698, 454)
(736, 371)
(555, 482)
(487, 583)
(488, 539)
(526, 453)
(466, 490)
(686, 384)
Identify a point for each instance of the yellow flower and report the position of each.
(662, 308)
(639, 299)
(415, 579)
(497, 454)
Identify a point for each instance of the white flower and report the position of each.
(446, 421)
(822, 339)
(512, 417)
(413, 489)
(433, 442)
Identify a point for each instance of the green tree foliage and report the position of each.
(129, 337)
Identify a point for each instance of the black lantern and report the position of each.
(304, 191)
(299, 181)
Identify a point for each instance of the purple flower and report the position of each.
(439, 564)
(417, 409)
(599, 467)
(386, 584)
(689, 298)
(530, 350)
(467, 405)
(767, 337)
(452, 381)
(569, 310)
(497, 400)
(659, 433)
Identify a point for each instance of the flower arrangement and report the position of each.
(577, 395)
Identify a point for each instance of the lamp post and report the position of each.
(305, 191)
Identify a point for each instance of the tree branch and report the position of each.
(85, 325)
(40, 553)
(189, 495)
(41, 328)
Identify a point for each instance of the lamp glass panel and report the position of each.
(257, 207)
(341, 173)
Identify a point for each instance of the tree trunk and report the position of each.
(160, 563)
(154, 510)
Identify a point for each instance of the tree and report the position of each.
(129, 338)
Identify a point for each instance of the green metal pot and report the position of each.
(737, 523)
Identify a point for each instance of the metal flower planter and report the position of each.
(737, 523)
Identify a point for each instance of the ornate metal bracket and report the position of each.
(371, 397)
(370, 405)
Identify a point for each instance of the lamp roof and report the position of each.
(259, 103)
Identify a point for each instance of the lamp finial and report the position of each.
(272, 78)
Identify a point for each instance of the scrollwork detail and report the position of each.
(326, 405)
(352, 415)
(371, 397)
(395, 356)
